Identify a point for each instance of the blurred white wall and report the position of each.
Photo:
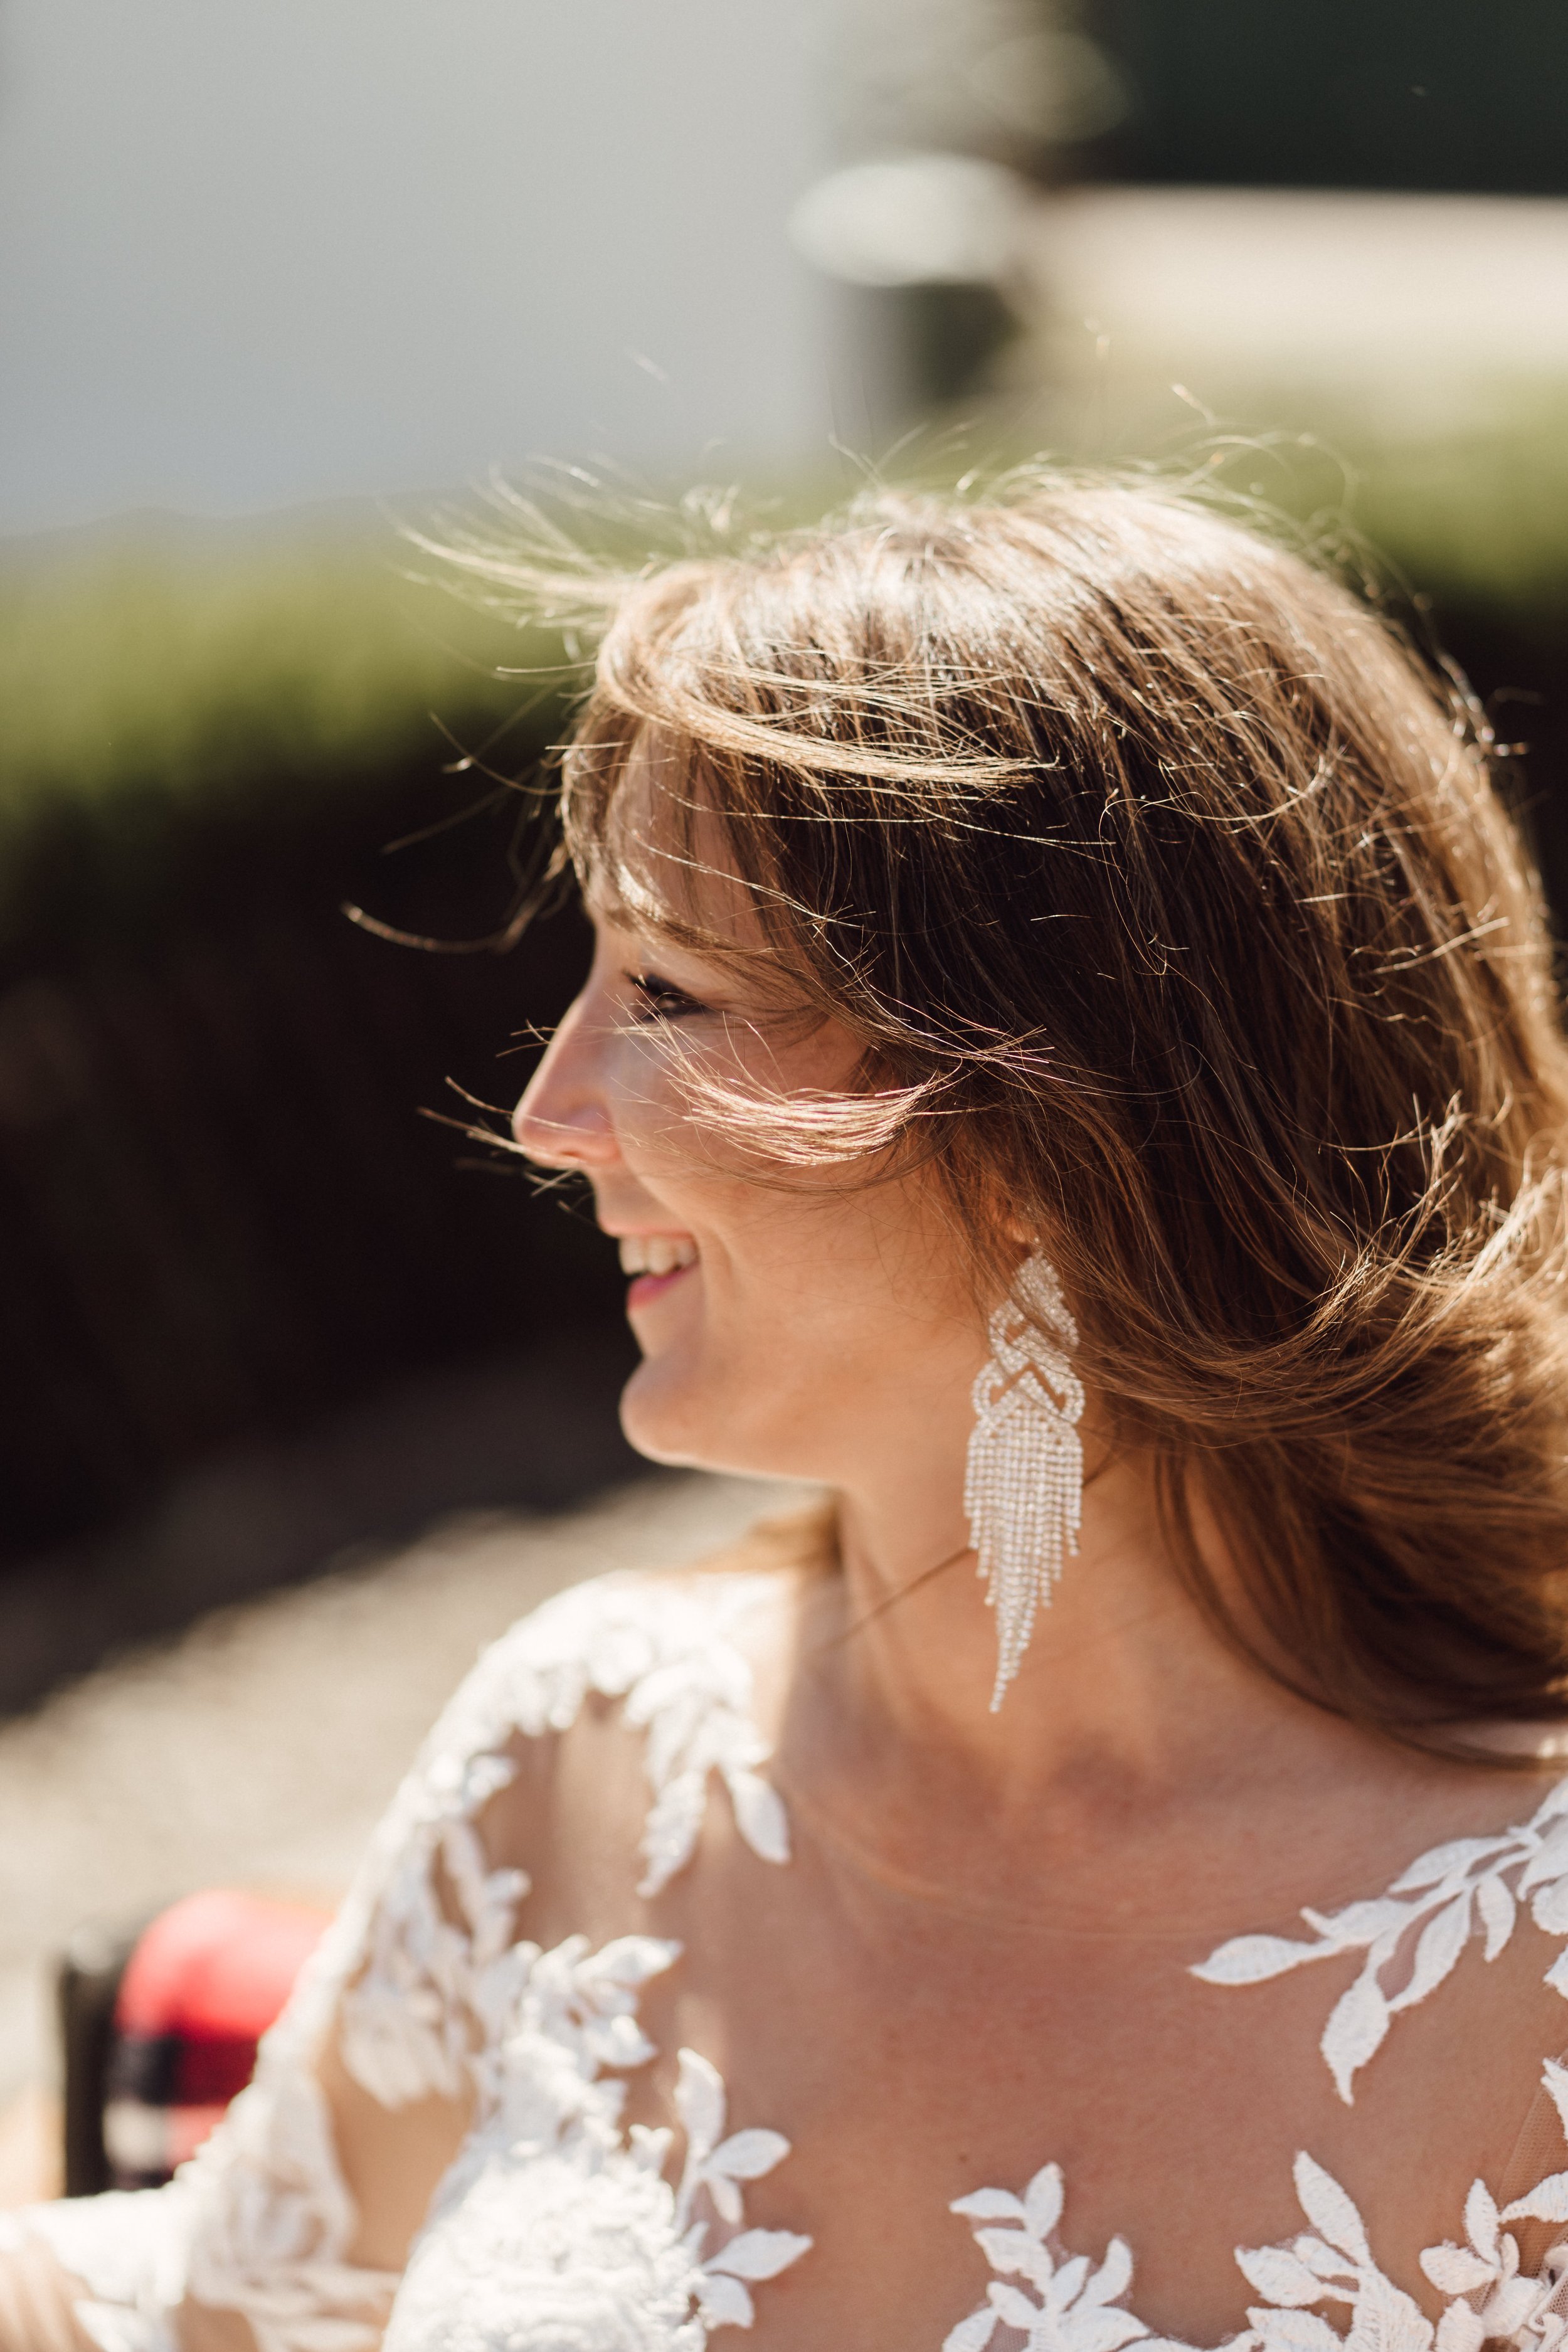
(255, 252)
(1420, 309)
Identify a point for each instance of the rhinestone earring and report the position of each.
(1023, 1490)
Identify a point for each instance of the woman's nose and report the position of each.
(562, 1120)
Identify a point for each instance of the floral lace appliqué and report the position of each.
(1450, 1895)
(1056, 2307)
(1065, 2303)
(260, 2222)
(438, 1987)
(1491, 2299)
(434, 1995)
(554, 2230)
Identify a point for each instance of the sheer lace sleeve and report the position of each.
(260, 2222)
(420, 1978)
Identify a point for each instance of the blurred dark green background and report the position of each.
(1424, 94)
(225, 1224)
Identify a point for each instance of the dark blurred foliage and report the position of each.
(224, 1215)
(1520, 677)
(1418, 94)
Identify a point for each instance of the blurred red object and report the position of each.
(203, 1981)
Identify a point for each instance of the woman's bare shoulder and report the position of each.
(617, 1707)
(787, 1548)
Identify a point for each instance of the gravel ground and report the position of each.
(259, 1747)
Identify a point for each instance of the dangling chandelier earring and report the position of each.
(1023, 1491)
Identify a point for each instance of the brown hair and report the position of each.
(1173, 901)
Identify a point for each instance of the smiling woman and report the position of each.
(1070, 1063)
(760, 1305)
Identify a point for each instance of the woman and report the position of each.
(1071, 1065)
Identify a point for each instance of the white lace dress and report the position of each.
(556, 2229)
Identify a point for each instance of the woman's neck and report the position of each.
(1128, 1700)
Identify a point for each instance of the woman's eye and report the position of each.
(660, 1000)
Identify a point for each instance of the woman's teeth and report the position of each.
(655, 1254)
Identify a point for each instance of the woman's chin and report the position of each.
(678, 1420)
(658, 1420)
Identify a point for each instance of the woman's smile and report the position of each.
(660, 1262)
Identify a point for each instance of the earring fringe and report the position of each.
(1023, 1489)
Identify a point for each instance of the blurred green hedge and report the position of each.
(1471, 512)
(180, 706)
(1462, 531)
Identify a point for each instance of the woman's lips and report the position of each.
(650, 1287)
(655, 1262)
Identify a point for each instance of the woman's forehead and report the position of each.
(667, 857)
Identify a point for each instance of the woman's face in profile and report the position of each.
(791, 1323)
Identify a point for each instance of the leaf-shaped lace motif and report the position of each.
(1067, 2306)
(260, 2222)
(441, 1996)
(718, 2165)
(435, 1991)
(1422, 1924)
(1063, 2303)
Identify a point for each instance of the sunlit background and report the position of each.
(279, 275)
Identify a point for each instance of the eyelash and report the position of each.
(661, 999)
